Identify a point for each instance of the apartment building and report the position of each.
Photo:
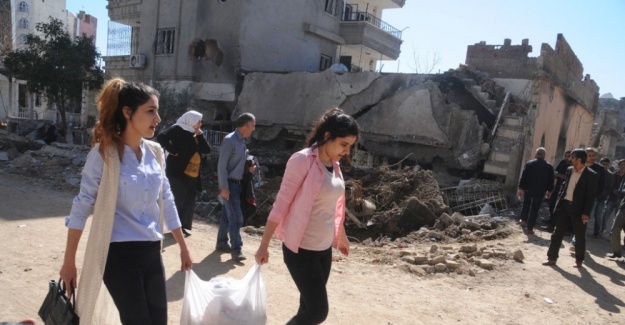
(19, 18)
(208, 45)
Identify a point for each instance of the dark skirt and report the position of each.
(184, 189)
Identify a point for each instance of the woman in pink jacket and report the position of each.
(309, 211)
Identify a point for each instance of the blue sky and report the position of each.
(595, 29)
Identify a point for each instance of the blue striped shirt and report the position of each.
(137, 211)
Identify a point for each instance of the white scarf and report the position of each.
(188, 120)
(94, 304)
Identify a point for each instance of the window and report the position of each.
(325, 62)
(23, 7)
(165, 38)
(333, 7)
(23, 39)
(23, 23)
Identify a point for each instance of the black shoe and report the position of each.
(224, 248)
(185, 233)
(614, 255)
(238, 256)
(548, 229)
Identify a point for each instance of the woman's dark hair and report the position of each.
(336, 123)
(114, 96)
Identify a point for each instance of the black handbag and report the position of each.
(56, 308)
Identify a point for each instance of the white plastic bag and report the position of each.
(224, 300)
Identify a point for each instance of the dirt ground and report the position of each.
(368, 287)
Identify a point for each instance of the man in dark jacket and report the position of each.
(575, 203)
(560, 175)
(536, 181)
(602, 194)
(604, 205)
(619, 222)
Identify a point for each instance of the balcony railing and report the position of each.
(373, 20)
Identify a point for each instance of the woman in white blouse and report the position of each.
(123, 185)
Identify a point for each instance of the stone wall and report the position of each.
(563, 66)
(503, 61)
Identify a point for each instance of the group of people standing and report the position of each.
(579, 189)
(133, 192)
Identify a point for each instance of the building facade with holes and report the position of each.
(207, 46)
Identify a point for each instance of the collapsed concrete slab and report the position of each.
(399, 114)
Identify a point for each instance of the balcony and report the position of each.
(362, 28)
(124, 10)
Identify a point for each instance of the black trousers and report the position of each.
(135, 277)
(531, 206)
(567, 217)
(310, 270)
(184, 189)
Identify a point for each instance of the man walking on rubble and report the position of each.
(536, 181)
(573, 208)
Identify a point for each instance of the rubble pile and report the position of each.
(466, 259)
(410, 207)
(384, 205)
(55, 166)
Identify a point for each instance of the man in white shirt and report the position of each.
(574, 206)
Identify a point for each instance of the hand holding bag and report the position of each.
(57, 309)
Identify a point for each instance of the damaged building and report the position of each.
(206, 47)
(493, 111)
(559, 102)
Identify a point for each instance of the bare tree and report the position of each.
(423, 64)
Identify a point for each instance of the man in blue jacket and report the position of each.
(536, 183)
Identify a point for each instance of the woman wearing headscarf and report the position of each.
(186, 144)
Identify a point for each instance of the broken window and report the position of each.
(333, 7)
(165, 38)
(325, 62)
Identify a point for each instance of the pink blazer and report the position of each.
(301, 183)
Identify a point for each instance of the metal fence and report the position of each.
(469, 199)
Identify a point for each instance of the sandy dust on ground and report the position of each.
(361, 291)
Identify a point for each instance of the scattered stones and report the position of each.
(518, 255)
(486, 264)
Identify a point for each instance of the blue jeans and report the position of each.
(231, 219)
(598, 214)
(610, 208)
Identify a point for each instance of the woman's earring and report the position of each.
(118, 130)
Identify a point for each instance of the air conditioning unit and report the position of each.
(137, 61)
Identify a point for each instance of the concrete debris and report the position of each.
(460, 260)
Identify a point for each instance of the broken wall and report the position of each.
(503, 61)
(560, 101)
(566, 70)
(399, 114)
(555, 121)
